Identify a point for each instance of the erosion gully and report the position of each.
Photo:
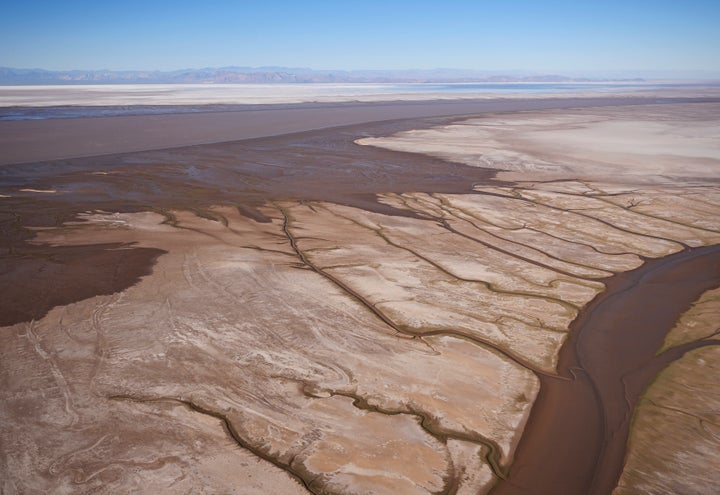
(574, 441)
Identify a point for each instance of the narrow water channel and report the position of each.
(574, 442)
(575, 439)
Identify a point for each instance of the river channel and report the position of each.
(575, 440)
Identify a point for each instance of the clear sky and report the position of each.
(546, 36)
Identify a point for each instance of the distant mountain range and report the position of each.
(264, 75)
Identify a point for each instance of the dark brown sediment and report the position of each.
(316, 165)
(245, 174)
(575, 439)
(38, 278)
(53, 139)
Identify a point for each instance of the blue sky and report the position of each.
(481, 34)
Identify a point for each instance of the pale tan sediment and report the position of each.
(631, 144)
(285, 379)
(328, 345)
(605, 193)
(701, 322)
(674, 444)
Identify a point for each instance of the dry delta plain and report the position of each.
(441, 297)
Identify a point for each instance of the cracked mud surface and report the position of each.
(301, 314)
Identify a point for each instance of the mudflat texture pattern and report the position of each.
(371, 309)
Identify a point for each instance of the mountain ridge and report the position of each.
(272, 74)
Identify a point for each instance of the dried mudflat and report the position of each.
(305, 314)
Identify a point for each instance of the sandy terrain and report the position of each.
(673, 446)
(301, 314)
(633, 144)
(651, 176)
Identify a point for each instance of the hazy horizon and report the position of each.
(373, 75)
(552, 37)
